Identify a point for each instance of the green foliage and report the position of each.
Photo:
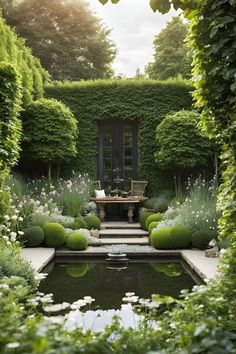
(69, 39)
(171, 270)
(4, 203)
(171, 57)
(152, 225)
(153, 217)
(180, 236)
(50, 132)
(161, 204)
(160, 238)
(10, 127)
(35, 219)
(13, 264)
(91, 102)
(55, 235)
(14, 51)
(80, 223)
(200, 239)
(143, 218)
(33, 236)
(183, 147)
(77, 241)
(92, 221)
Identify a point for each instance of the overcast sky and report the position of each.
(133, 30)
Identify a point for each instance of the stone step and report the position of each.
(122, 233)
(119, 225)
(127, 241)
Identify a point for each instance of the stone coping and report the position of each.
(204, 267)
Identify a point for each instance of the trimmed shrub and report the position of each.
(143, 218)
(153, 217)
(55, 235)
(161, 204)
(77, 270)
(150, 203)
(161, 239)
(79, 223)
(92, 221)
(200, 239)
(77, 241)
(152, 225)
(33, 237)
(180, 236)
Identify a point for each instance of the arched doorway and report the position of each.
(117, 152)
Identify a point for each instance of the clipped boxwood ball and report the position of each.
(180, 236)
(152, 225)
(33, 236)
(153, 217)
(77, 270)
(55, 234)
(200, 239)
(92, 221)
(143, 217)
(161, 239)
(77, 241)
(79, 223)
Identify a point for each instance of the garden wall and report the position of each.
(147, 101)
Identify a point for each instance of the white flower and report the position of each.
(20, 218)
(129, 294)
(6, 217)
(14, 217)
(13, 345)
(13, 234)
(20, 233)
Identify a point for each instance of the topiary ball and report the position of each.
(33, 236)
(80, 223)
(161, 239)
(143, 217)
(152, 225)
(200, 239)
(55, 234)
(77, 241)
(161, 204)
(92, 221)
(180, 236)
(153, 217)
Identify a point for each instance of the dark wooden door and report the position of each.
(117, 150)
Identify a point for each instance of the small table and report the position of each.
(130, 201)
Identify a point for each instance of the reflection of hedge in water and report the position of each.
(171, 270)
(77, 270)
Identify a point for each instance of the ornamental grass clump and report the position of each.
(180, 236)
(55, 235)
(33, 236)
(77, 241)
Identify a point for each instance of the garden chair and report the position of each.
(97, 185)
(138, 188)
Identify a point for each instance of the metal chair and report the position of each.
(138, 188)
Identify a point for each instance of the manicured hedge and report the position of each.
(146, 101)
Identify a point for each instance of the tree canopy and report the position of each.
(171, 56)
(66, 36)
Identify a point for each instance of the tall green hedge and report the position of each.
(14, 51)
(147, 101)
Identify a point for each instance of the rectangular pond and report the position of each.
(69, 280)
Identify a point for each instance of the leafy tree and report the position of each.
(181, 145)
(70, 41)
(171, 56)
(50, 133)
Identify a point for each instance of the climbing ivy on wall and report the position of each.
(147, 101)
(14, 51)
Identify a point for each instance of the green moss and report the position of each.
(200, 239)
(77, 270)
(180, 236)
(161, 239)
(33, 236)
(143, 218)
(55, 235)
(153, 217)
(92, 221)
(77, 241)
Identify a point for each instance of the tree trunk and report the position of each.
(58, 170)
(50, 171)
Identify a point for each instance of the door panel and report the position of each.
(117, 149)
